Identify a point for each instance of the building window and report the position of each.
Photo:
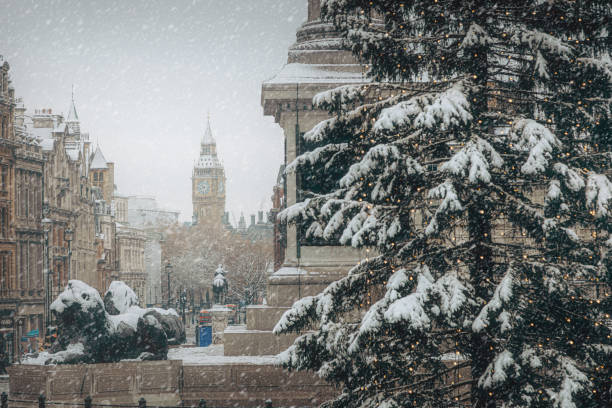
(5, 276)
(4, 178)
(3, 222)
(23, 263)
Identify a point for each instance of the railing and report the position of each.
(88, 403)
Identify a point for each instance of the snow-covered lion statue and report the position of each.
(91, 330)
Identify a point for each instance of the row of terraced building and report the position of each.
(57, 219)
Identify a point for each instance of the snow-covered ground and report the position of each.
(214, 355)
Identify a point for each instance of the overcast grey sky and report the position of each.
(145, 74)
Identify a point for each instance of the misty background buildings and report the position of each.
(200, 56)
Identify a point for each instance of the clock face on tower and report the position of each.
(220, 189)
(203, 187)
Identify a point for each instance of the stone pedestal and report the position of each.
(286, 286)
(220, 317)
(315, 63)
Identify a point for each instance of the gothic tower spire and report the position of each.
(208, 181)
(72, 119)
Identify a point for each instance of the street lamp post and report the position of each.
(168, 271)
(68, 235)
(46, 223)
(183, 299)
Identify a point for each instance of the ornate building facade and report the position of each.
(208, 182)
(131, 259)
(10, 291)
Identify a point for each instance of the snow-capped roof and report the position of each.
(317, 73)
(47, 144)
(41, 133)
(98, 161)
(44, 137)
(73, 153)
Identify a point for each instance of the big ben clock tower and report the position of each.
(208, 182)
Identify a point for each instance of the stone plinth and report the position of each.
(315, 63)
(115, 383)
(220, 317)
(244, 385)
(263, 317)
(242, 342)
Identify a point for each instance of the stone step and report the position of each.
(255, 342)
(262, 317)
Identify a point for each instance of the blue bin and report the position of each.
(204, 336)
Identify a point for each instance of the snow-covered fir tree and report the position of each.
(476, 166)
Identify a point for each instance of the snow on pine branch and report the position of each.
(599, 65)
(339, 296)
(417, 311)
(338, 213)
(502, 295)
(450, 204)
(294, 212)
(314, 156)
(321, 130)
(571, 178)
(453, 297)
(542, 45)
(574, 382)
(473, 161)
(599, 194)
(360, 224)
(370, 227)
(395, 306)
(537, 40)
(380, 157)
(444, 299)
(527, 135)
(399, 283)
(302, 308)
(444, 110)
(476, 36)
(497, 371)
(339, 98)
(380, 168)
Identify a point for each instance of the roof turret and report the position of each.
(98, 162)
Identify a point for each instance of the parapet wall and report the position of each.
(169, 383)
